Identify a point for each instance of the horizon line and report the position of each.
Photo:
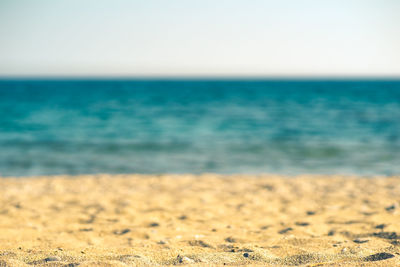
(199, 77)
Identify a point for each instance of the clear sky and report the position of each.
(199, 37)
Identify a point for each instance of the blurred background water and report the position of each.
(187, 126)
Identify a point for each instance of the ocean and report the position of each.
(289, 127)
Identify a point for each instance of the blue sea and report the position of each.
(196, 126)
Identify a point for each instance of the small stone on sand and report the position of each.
(52, 258)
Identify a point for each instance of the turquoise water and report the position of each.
(187, 126)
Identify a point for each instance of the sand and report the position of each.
(207, 220)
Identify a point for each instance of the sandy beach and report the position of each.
(138, 220)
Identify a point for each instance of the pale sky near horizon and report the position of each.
(200, 38)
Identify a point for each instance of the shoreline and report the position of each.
(209, 219)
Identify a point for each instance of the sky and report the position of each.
(133, 38)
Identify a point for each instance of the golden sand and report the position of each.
(129, 220)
